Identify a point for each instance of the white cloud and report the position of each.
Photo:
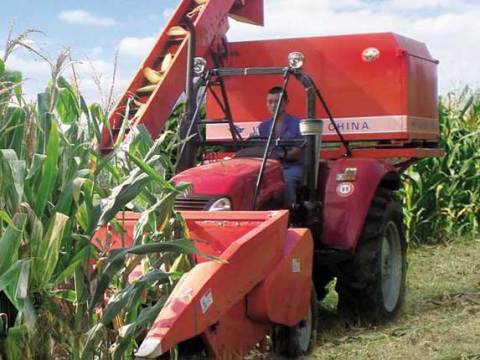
(403, 5)
(31, 67)
(90, 74)
(135, 47)
(448, 27)
(167, 13)
(84, 17)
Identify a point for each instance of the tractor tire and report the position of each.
(371, 286)
(299, 340)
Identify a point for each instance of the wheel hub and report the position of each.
(391, 266)
(305, 332)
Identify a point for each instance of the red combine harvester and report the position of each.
(369, 104)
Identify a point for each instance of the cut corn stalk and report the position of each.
(167, 61)
(152, 76)
(177, 31)
(146, 89)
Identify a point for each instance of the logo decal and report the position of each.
(206, 301)
(296, 265)
(345, 189)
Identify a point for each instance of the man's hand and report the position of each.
(292, 154)
(278, 153)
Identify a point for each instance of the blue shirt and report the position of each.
(290, 130)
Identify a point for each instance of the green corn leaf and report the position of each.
(68, 295)
(71, 191)
(21, 291)
(36, 165)
(80, 258)
(16, 343)
(36, 235)
(121, 195)
(49, 171)
(48, 251)
(116, 260)
(67, 105)
(10, 242)
(147, 169)
(130, 331)
(93, 336)
(2, 68)
(12, 179)
(140, 141)
(77, 187)
(83, 217)
(159, 211)
(14, 284)
(15, 78)
(9, 279)
(18, 138)
(7, 219)
(44, 121)
(123, 300)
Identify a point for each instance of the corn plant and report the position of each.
(442, 195)
(55, 192)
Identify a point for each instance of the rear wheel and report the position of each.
(371, 286)
(299, 340)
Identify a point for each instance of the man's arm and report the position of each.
(293, 154)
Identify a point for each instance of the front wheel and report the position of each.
(371, 286)
(299, 340)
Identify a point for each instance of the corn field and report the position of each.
(442, 195)
(56, 191)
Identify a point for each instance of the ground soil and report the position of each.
(440, 317)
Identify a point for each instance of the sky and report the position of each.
(97, 30)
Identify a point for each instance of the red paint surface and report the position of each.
(284, 296)
(344, 217)
(235, 178)
(402, 81)
(258, 250)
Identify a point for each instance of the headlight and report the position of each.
(222, 204)
(199, 65)
(296, 60)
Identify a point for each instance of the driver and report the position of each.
(287, 127)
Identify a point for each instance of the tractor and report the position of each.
(368, 110)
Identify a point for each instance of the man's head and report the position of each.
(273, 96)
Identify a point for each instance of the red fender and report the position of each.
(346, 203)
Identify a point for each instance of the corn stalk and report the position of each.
(442, 195)
(55, 192)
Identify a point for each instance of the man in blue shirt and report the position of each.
(287, 127)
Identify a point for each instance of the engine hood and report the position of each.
(235, 178)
